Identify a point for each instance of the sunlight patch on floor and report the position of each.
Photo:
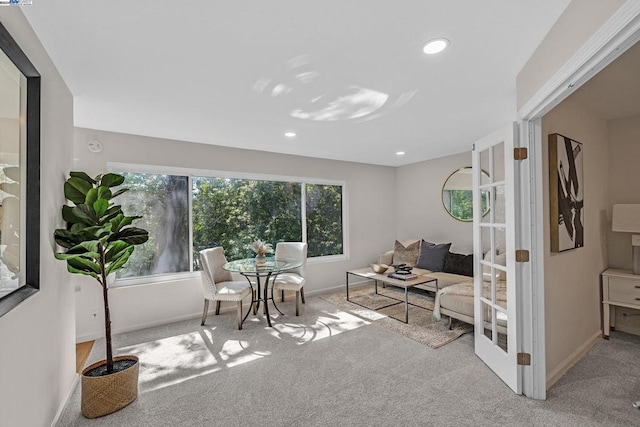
(327, 324)
(180, 358)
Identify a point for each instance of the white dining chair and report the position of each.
(294, 279)
(218, 284)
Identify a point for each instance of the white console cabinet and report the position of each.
(620, 288)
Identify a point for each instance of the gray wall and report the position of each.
(371, 221)
(624, 187)
(37, 352)
(420, 212)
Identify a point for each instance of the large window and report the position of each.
(163, 203)
(185, 214)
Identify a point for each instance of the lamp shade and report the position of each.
(626, 218)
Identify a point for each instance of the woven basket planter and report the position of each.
(106, 394)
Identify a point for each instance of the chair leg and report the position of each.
(204, 312)
(282, 295)
(240, 314)
(217, 307)
(302, 295)
(297, 303)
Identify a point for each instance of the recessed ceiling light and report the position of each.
(435, 46)
(290, 134)
(399, 153)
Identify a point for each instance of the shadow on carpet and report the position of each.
(422, 327)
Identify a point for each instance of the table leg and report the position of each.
(347, 286)
(606, 319)
(406, 304)
(266, 305)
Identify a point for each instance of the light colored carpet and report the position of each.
(331, 368)
(422, 327)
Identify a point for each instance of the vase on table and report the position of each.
(261, 260)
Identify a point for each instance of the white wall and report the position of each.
(572, 278)
(580, 20)
(37, 351)
(371, 221)
(420, 212)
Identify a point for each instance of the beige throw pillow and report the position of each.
(406, 254)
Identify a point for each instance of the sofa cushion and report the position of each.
(448, 279)
(458, 264)
(432, 255)
(406, 254)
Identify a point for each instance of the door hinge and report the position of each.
(522, 255)
(520, 153)
(524, 359)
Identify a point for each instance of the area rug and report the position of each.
(422, 327)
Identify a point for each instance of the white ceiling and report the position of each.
(348, 76)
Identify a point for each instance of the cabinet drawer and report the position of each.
(624, 290)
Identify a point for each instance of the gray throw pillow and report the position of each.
(432, 256)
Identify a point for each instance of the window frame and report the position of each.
(190, 173)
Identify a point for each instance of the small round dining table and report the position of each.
(261, 272)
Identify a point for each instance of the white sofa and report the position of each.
(454, 297)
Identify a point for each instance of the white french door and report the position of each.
(494, 238)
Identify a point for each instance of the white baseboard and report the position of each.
(130, 328)
(66, 400)
(223, 309)
(573, 358)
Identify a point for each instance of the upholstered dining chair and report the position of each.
(218, 284)
(294, 279)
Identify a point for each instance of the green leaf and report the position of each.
(91, 197)
(65, 238)
(100, 206)
(82, 175)
(122, 221)
(115, 249)
(86, 214)
(104, 193)
(111, 180)
(74, 270)
(131, 235)
(120, 261)
(119, 192)
(88, 249)
(75, 189)
(84, 264)
(68, 216)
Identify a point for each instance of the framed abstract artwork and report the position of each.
(566, 193)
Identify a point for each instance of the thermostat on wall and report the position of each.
(95, 146)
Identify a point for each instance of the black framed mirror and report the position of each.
(457, 195)
(19, 175)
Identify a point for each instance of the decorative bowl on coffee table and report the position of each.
(379, 268)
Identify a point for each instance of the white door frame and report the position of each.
(618, 34)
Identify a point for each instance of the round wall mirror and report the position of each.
(457, 196)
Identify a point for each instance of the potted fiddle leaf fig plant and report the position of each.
(97, 241)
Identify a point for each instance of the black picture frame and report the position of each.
(32, 162)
